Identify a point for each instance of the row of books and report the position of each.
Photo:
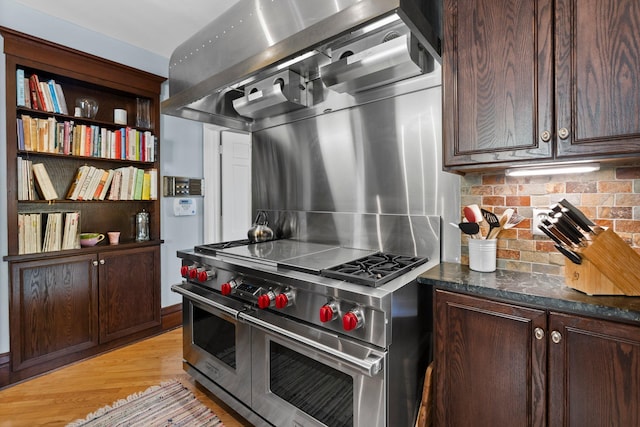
(61, 232)
(45, 96)
(47, 135)
(31, 176)
(125, 183)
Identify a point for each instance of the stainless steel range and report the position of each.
(299, 333)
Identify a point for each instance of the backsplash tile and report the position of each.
(610, 197)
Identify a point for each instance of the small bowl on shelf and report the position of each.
(90, 239)
(88, 107)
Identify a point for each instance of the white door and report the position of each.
(227, 207)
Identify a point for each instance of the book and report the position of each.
(82, 194)
(54, 98)
(78, 182)
(47, 190)
(20, 133)
(153, 184)
(61, 100)
(27, 93)
(20, 89)
(107, 183)
(37, 103)
(146, 186)
(114, 190)
(71, 235)
(101, 183)
(137, 187)
(46, 97)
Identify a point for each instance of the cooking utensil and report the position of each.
(515, 219)
(504, 219)
(560, 246)
(260, 231)
(492, 220)
(472, 213)
(470, 228)
(578, 217)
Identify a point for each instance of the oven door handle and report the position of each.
(204, 300)
(369, 366)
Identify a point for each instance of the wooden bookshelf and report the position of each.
(101, 297)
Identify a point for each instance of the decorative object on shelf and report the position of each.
(120, 116)
(114, 237)
(143, 113)
(88, 107)
(90, 239)
(142, 226)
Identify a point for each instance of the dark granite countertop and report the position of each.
(532, 289)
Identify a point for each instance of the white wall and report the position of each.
(181, 141)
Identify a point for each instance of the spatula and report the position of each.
(492, 220)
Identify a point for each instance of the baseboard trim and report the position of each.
(5, 368)
(171, 316)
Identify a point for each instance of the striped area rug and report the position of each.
(169, 404)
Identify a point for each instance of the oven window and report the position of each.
(317, 389)
(215, 335)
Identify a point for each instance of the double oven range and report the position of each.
(297, 333)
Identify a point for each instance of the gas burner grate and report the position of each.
(211, 248)
(374, 270)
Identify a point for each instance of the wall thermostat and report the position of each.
(184, 207)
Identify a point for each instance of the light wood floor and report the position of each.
(67, 394)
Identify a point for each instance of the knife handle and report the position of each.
(574, 257)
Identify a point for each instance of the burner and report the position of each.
(211, 248)
(374, 270)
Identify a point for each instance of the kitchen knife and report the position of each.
(571, 232)
(577, 216)
(556, 232)
(574, 257)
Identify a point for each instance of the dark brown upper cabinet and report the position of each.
(530, 81)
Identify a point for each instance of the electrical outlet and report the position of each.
(538, 216)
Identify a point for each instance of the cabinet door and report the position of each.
(490, 366)
(53, 309)
(129, 292)
(497, 81)
(598, 76)
(594, 373)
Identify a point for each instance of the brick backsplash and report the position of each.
(610, 197)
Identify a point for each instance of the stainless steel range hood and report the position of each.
(265, 62)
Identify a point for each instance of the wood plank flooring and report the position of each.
(72, 392)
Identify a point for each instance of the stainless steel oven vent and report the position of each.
(211, 74)
(390, 54)
(281, 93)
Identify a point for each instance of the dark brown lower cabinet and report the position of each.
(68, 308)
(501, 364)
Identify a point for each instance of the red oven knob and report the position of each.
(328, 312)
(352, 320)
(282, 300)
(264, 301)
(193, 273)
(184, 270)
(226, 288)
(204, 275)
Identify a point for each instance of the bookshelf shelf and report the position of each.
(117, 286)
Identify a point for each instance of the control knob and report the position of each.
(193, 272)
(204, 275)
(226, 288)
(184, 271)
(352, 320)
(265, 300)
(328, 312)
(284, 299)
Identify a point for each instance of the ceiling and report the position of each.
(158, 26)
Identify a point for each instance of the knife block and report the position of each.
(609, 267)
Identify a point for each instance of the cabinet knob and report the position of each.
(101, 262)
(563, 133)
(538, 333)
(95, 263)
(556, 337)
(545, 136)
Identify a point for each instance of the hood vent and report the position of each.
(290, 59)
(387, 56)
(282, 93)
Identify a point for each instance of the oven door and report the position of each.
(303, 376)
(214, 341)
